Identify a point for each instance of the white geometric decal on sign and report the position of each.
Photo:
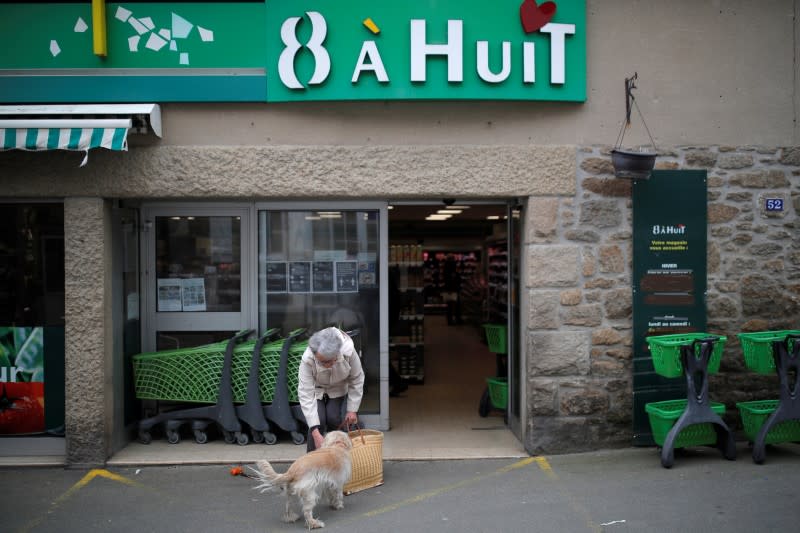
(133, 43)
(205, 35)
(80, 26)
(180, 27)
(122, 14)
(155, 43)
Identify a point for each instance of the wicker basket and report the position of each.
(367, 460)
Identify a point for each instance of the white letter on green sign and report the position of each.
(420, 50)
(370, 50)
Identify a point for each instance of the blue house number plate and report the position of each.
(774, 204)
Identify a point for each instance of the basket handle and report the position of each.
(346, 428)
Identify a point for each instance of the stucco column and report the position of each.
(87, 287)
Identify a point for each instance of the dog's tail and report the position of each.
(267, 477)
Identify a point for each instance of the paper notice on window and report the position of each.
(276, 276)
(194, 294)
(169, 294)
(300, 276)
(323, 276)
(346, 276)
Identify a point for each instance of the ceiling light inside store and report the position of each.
(312, 217)
(448, 211)
(437, 217)
(493, 217)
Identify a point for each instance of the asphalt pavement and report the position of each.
(614, 491)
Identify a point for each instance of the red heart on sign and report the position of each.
(534, 16)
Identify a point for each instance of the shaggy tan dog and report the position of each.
(317, 474)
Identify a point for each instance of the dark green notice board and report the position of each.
(669, 278)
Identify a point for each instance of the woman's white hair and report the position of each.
(326, 343)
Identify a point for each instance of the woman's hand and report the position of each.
(350, 419)
(318, 438)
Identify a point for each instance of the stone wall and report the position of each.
(579, 252)
(86, 357)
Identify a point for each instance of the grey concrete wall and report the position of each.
(87, 357)
(195, 172)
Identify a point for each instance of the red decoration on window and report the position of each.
(534, 16)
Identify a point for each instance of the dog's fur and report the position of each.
(322, 472)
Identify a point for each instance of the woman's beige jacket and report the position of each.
(345, 377)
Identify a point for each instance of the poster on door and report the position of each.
(346, 276)
(21, 380)
(277, 276)
(300, 276)
(323, 276)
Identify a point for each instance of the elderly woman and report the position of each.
(330, 384)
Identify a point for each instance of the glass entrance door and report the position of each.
(325, 266)
(515, 370)
(197, 266)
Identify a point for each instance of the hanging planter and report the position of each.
(632, 164)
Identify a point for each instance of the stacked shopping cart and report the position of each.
(236, 385)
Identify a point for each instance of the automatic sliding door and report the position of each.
(319, 268)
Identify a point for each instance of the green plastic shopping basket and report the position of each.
(757, 348)
(755, 414)
(496, 337)
(666, 352)
(663, 416)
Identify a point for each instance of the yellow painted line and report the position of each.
(96, 472)
(545, 466)
(447, 488)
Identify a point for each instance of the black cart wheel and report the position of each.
(269, 438)
(759, 456)
(258, 437)
(200, 436)
(230, 438)
(298, 438)
(173, 436)
(242, 439)
(145, 437)
(486, 404)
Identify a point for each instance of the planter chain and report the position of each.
(630, 101)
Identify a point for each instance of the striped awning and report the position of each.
(61, 127)
(83, 135)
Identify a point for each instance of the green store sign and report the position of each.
(296, 50)
(447, 50)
